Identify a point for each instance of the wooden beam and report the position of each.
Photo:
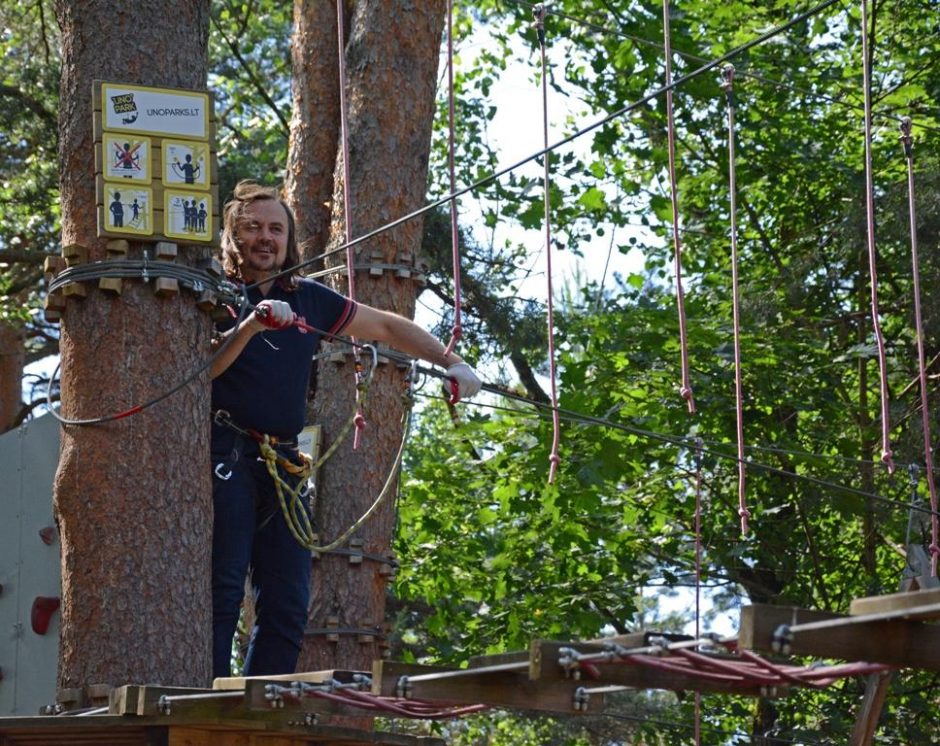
(921, 604)
(506, 688)
(310, 677)
(876, 691)
(875, 639)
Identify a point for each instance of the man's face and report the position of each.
(262, 238)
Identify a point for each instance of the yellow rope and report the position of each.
(295, 512)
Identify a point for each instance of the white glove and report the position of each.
(274, 314)
(468, 382)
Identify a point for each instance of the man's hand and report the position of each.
(274, 314)
(468, 382)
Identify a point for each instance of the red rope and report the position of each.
(746, 669)
(698, 576)
(872, 254)
(360, 420)
(417, 709)
(553, 459)
(686, 389)
(908, 143)
(457, 331)
(743, 512)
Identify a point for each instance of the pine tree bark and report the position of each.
(391, 63)
(132, 496)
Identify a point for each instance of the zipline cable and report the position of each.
(744, 72)
(243, 306)
(683, 442)
(496, 175)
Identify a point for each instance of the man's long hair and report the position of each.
(247, 192)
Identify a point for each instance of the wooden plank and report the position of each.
(632, 675)
(494, 688)
(896, 642)
(257, 700)
(922, 604)
(311, 677)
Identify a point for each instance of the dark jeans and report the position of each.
(249, 531)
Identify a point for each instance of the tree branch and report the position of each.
(48, 117)
(258, 85)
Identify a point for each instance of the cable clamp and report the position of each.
(581, 699)
(782, 640)
(164, 706)
(403, 688)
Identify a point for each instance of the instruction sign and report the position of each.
(155, 111)
(155, 163)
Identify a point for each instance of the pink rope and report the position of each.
(360, 420)
(685, 390)
(747, 669)
(886, 455)
(743, 512)
(457, 331)
(417, 709)
(698, 576)
(908, 143)
(553, 459)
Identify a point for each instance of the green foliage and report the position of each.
(496, 553)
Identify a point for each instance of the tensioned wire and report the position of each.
(495, 176)
(745, 72)
(685, 442)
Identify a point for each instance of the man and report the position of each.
(260, 381)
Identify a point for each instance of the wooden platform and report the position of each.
(116, 730)
(892, 629)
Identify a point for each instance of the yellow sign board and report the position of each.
(155, 163)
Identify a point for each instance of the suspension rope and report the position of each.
(685, 390)
(457, 331)
(908, 142)
(728, 87)
(553, 458)
(872, 253)
(698, 575)
(360, 420)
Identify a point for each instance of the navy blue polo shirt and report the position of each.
(265, 388)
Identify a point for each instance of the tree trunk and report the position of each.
(11, 374)
(314, 126)
(132, 495)
(391, 63)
